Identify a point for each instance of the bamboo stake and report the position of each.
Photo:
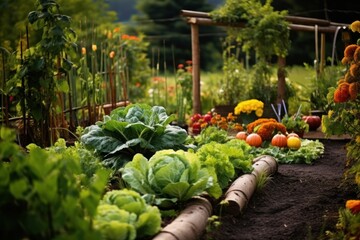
(191, 222)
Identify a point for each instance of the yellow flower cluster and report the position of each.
(249, 106)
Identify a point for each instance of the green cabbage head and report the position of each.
(169, 176)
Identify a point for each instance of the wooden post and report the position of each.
(322, 53)
(195, 65)
(281, 88)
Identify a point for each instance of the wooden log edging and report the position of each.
(191, 222)
(241, 190)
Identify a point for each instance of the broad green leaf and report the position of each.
(48, 187)
(149, 222)
(19, 188)
(4, 175)
(178, 190)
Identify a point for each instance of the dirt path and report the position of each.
(299, 202)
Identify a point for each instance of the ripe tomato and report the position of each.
(207, 117)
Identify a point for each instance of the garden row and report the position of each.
(131, 176)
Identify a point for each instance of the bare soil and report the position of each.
(299, 202)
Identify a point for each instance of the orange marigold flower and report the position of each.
(354, 90)
(349, 78)
(349, 51)
(341, 80)
(355, 26)
(180, 66)
(134, 38)
(94, 47)
(251, 126)
(238, 127)
(357, 54)
(112, 54)
(116, 30)
(125, 37)
(83, 51)
(353, 206)
(355, 70)
(230, 117)
(268, 129)
(345, 61)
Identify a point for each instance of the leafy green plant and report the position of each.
(228, 160)
(309, 151)
(137, 128)
(210, 134)
(168, 177)
(43, 192)
(124, 214)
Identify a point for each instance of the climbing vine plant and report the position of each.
(40, 77)
(265, 32)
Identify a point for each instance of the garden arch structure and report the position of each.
(195, 19)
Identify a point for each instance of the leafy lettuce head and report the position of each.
(169, 175)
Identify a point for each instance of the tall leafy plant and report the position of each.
(40, 75)
(46, 194)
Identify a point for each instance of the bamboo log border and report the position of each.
(191, 222)
(239, 193)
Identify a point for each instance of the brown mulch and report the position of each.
(299, 202)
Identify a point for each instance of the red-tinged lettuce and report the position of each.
(168, 176)
(137, 128)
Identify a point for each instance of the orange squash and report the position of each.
(241, 135)
(279, 140)
(254, 140)
(293, 135)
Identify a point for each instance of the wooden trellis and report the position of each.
(195, 19)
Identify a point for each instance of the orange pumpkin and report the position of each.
(279, 140)
(293, 135)
(241, 135)
(254, 140)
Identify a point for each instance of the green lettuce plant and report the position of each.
(168, 177)
(137, 128)
(124, 214)
(44, 194)
(228, 160)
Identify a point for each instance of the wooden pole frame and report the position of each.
(195, 18)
